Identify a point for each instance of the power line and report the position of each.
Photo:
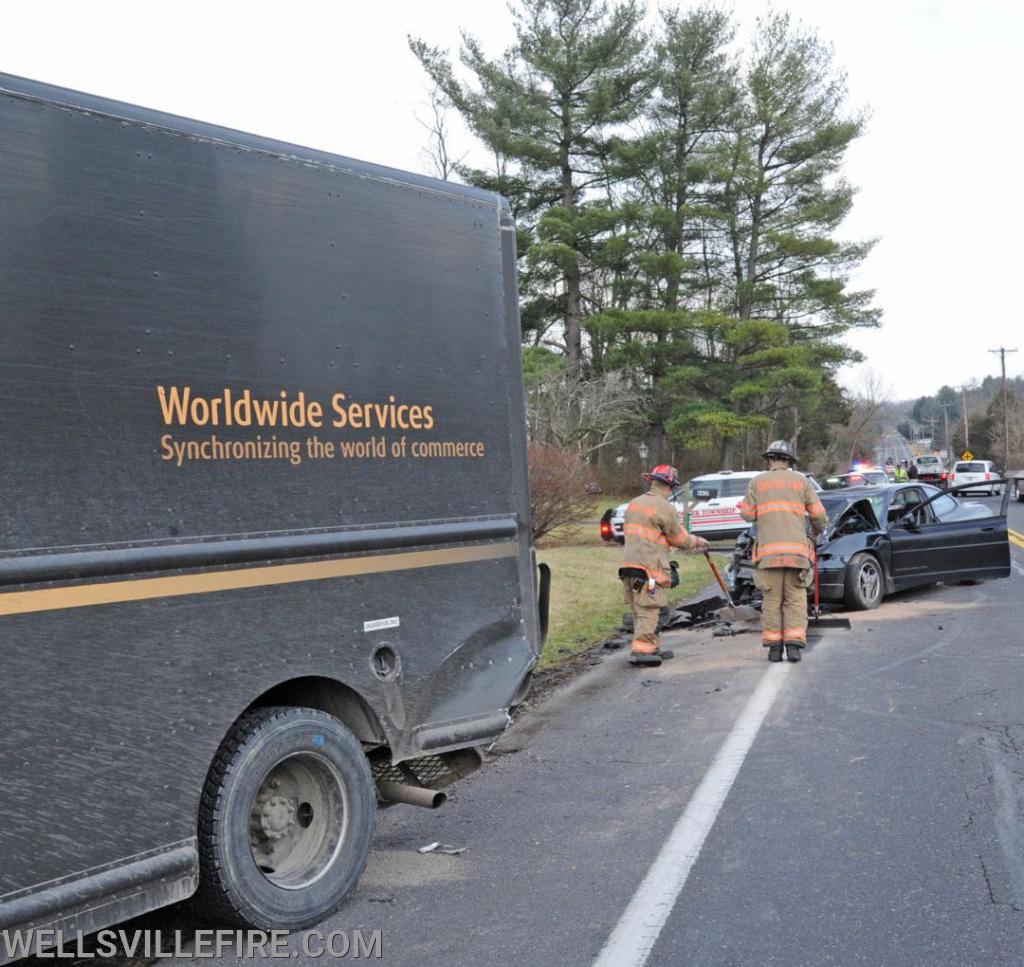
(1001, 352)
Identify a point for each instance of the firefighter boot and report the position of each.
(793, 650)
(775, 653)
(651, 658)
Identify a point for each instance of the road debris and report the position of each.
(442, 848)
(614, 644)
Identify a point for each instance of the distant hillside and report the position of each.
(979, 396)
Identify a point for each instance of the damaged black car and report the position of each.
(880, 540)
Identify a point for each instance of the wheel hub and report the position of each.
(298, 820)
(277, 817)
(869, 581)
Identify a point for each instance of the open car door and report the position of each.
(927, 548)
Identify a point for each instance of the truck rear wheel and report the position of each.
(285, 822)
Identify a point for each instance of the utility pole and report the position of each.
(1001, 352)
(967, 424)
(945, 416)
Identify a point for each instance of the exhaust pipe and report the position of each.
(413, 795)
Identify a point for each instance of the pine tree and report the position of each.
(784, 196)
(548, 109)
(782, 200)
(678, 216)
(652, 328)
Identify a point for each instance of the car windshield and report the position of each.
(709, 488)
(976, 467)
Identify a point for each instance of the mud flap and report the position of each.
(544, 599)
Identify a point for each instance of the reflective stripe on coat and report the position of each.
(779, 502)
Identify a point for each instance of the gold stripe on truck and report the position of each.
(144, 589)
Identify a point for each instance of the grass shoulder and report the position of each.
(586, 594)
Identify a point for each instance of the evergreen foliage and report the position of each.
(679, 204)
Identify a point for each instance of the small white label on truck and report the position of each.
(381, 623)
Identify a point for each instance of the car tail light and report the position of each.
(988, 476)
(606, 530)
(952, 477)
(943, 477)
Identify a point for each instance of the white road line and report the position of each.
(635, 934)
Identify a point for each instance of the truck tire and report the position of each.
(865, 583)
(285, 821)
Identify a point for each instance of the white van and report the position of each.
(975, 472)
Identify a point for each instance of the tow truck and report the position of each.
(931, 469)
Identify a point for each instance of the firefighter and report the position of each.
(779, 502)
(651, 527)
(901, 473)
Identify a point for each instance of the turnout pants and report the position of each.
(645, 608)
(784, 613)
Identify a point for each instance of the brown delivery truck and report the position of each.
(265, 552)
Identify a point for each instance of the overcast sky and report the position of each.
(938, 170)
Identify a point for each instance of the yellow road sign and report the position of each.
(967, 455)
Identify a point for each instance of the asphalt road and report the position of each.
(877, 818)
(895, 446)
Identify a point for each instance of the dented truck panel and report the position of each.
(262, 422)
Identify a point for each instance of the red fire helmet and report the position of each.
(665, 473)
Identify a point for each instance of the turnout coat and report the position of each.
(779, 502)
(651, 521)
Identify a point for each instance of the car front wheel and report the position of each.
(865, 583)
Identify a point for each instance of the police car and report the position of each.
(715, 514)
(613, 520)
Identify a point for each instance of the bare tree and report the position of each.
(438, 150)
(868, 399)
(581, 415)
